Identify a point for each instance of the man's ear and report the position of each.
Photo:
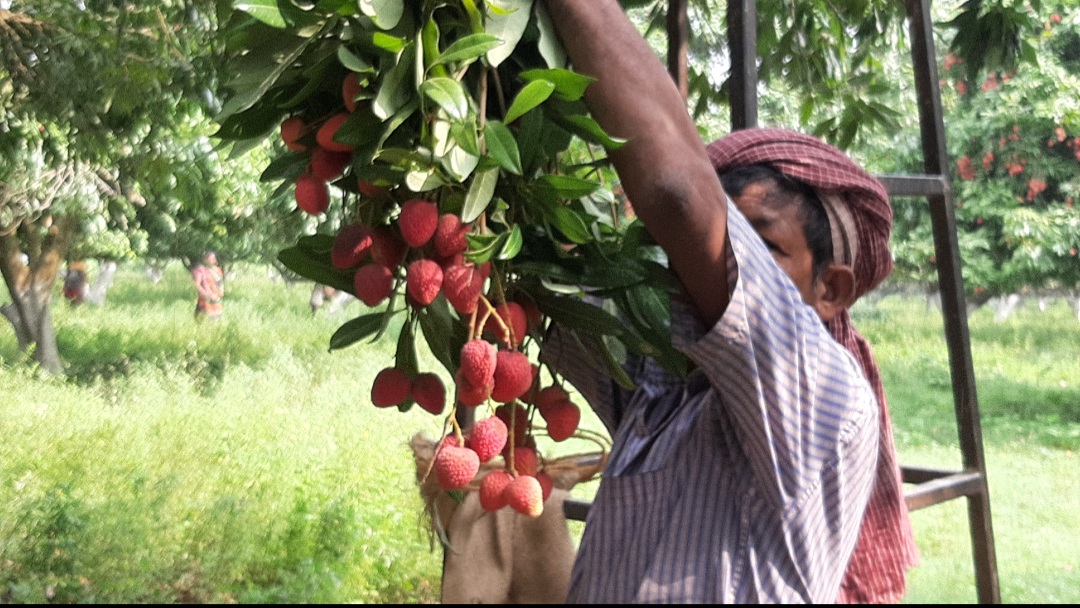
(835, 289)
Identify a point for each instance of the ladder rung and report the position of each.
(943, 489)
(933, 486)
(913, 185)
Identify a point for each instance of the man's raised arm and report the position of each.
(664, 168)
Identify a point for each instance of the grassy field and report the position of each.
(240, 461)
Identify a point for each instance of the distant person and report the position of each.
(75, 286)
(210, 285)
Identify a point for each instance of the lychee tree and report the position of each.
(1013, 124)
(461, 185)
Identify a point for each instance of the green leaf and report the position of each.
(588, 129)
(388, 43)
(397, 85)
(357, 329)
(384, 13)
(569, 85)
(483, 247)
(405, 356)
(512, 245)
(617, 274)
(548, 271)
(549, 44)
(468, 49)
(480, 192)
(575, 313)
(272, 71)
(286, 166)
(444, 334)
(507, 20)
(530, 96)
(353, 61)
(502, 146)
(570, 224)
(614, 366)
(263, 10)
(565, 187)
(315, 265)
(448, 93)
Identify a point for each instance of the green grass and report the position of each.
(240, 461)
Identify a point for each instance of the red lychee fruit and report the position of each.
(488, 438)
(351, 245)
(533, 314)
(513, 375)
(373, 283)
(534, 388)
(390, 387)
(550, 396)
(312, 194)
(369, 189)
(526, 460)
(428, 392)
(562, 419)
(478, 359)
(418, 221)
(547, 484)
(387, 248)
(513, 317)
(328, 165)
(463, 283)
(491, 490)
(469, 394)
(326, 133)
(455, 467)
(449, 238)
(524, 495)
(423, 281)
(292, 129)
(350, 88)
(520, 422)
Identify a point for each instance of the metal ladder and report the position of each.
(926, 486)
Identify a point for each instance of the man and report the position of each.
(747, 481)
(886, 547)
(210, 286)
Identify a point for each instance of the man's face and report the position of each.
(210, 259)
(775, 217)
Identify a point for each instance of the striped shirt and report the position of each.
(747, 480)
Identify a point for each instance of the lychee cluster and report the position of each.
(328, 155)
(417, 247)
(421, 248)
(519, 483)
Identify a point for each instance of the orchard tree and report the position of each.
(105, 138)
(1013, 128)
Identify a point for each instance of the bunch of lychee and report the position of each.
(329, 157)
(492, 375)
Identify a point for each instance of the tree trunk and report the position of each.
(31, 317)
(29, 277)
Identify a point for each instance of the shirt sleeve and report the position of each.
(798, 401)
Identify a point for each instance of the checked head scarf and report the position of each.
(860, 219)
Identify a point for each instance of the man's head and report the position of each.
(210, 258)
(790, 219)
(826, 220)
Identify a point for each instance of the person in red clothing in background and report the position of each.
(210, 286)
